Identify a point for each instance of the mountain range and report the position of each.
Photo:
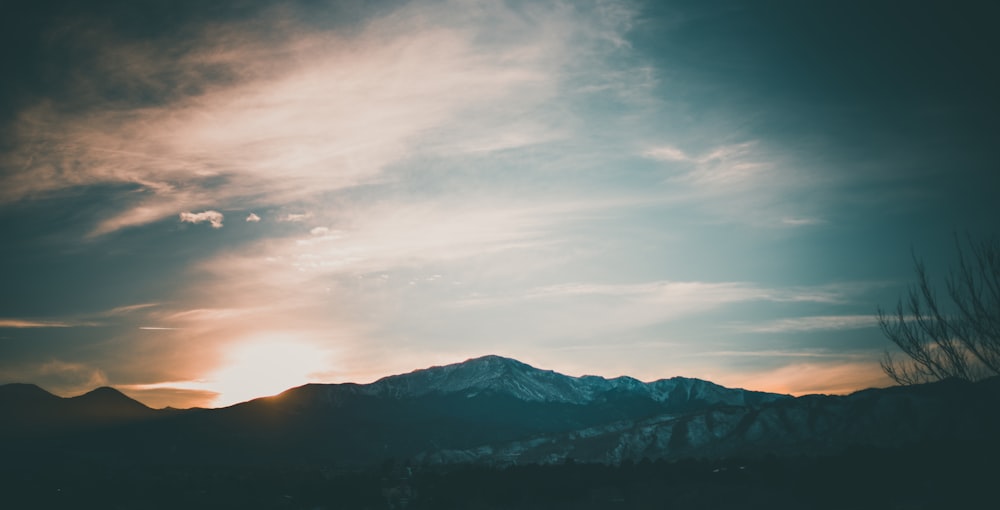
(492, 411)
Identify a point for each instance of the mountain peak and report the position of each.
(106, 397)
(490, 373)
(494, 359)
(493, 365)
(103, 392)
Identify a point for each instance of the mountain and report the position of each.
(464, 405)
(499, 375)
(31, 411)
(17, 394)
(946, 412)
(493, 411)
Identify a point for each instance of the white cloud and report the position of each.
(253, 218)
(213, 217)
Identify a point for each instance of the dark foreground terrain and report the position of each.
(924, 476)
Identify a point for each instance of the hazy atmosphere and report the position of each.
(206, 202)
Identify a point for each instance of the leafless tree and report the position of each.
(954, 337)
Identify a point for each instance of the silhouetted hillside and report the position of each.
(489, 411)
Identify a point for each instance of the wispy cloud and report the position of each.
(306, 111)
(749, 182)
(802, 222)
(69, 321)
(253, 218)
(382, 239)
(27, 323)
(812, 323)
(204, 314)
(778, 354)
(686, 294)
(212, 217)
(718, 168)
(667, 153)
(64, 378)
(127, 309)
(295, 217)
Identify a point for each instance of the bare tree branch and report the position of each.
(954, 338)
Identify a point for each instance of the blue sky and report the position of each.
(205, 203)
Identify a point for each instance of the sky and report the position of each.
(207, 202)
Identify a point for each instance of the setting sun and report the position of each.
(263, 366)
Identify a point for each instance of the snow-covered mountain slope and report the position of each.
(486, 374)
(944, 412)
(499, 375)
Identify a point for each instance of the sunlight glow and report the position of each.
(264, 366)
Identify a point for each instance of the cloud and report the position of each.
(73, 322)
(253, 218)
(751, 182)
(57, 376)
(777, 354)
(205, 314)
(684, 313)
(686, 294)
(273, 111)
(74, 374)
(802, 222)
(25, 323)
(295, 218)
(666, 153)
(123, 310)
(213, 217)
(737, 166)
(380, 238)
(814, 323)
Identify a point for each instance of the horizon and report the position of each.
(206, 202)
(127, 394)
